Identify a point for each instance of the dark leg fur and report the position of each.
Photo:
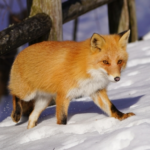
(119, 115)
(17, 110)
(64, 119)
(116, 111)
(27, 107)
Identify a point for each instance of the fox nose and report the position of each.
(117, 79)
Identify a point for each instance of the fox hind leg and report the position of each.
(17, 109)
(40, 104)
(20, 108)
(27, 107)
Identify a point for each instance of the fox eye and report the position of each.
(105, 62)
(119, 61)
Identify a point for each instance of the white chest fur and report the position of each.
(99, 80)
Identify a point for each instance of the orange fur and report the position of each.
(60, 69)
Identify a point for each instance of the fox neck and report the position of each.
(86, 87)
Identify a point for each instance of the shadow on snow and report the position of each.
(81, 107)
(76, 107)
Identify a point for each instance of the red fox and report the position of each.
(66, 70)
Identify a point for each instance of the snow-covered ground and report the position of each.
(88, 127)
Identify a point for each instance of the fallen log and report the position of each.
(24, 32)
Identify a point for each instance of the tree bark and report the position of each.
(118, 16)
(54, 10)
(133, 21)
(24, 32)
(75, 29)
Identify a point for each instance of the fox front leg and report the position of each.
(62, 104)
(101, 99)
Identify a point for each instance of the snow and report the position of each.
(146, 36)
(88, 127)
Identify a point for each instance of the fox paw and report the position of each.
(124, 116)
(15, 116)
(31, 124)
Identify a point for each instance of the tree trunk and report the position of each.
(75, 29)
(132, 20)
(54, 10)
(118, 16)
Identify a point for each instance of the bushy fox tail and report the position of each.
(17, 109)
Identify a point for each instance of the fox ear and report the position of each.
(97, 41)
(124, 36)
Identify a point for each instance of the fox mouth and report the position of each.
(110, 77)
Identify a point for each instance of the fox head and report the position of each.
(109, 54)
